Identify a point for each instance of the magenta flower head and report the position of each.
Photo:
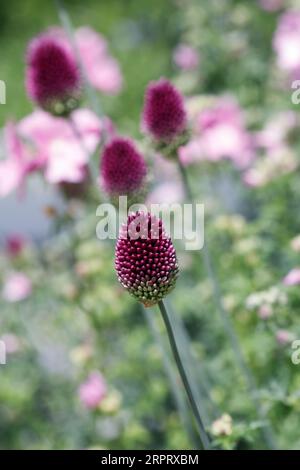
(145, 259)
(164, 116)
(52, 75)
(123, 168)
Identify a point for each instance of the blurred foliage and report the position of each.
(78, 319)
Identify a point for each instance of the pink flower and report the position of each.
(93, 390)
(292, 278)
(64, 151)
(14, 245)
(52, 74)
(18, 163)
(186, 57)
(286, 41)
(278, 161)
(271, 5)
(12, 343)
(277, 130)
(253, 178)
(102, 70)
(219, 133)
(67, 162)
(10, 176)
(265, 311)
(284, 337)
(17, 287)
(192, 152)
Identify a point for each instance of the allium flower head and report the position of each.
(164, 116)
(145, 260)
(52, 75)
(14, 245)
(123, 168)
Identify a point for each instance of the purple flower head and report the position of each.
(145, 259)
(123, 168)
(52, 75)
(164, 116)
(14, 245)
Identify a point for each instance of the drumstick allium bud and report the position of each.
(164, 116)
(52, 76)
(145, 259)
(123, 168)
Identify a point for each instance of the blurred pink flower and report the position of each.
(253, 178)
(265, 311)
(17, 287)
(102, 70)
(277, 130)
(286, 41)
(93, 390)
(192, 152)
(10, 176)
(67, 162)
(292, 278)
(12, 343)
(64, 153)
(278, 160)
(18, 161)
(186, 57)
(271, 5)
(167, 193)
(284, 337)
(219, 133)
(14, 245)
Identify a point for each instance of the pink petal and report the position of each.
(16, 287)
(292, 278)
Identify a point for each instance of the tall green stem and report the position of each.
(228, 326)
(202, 433)
(178, 393)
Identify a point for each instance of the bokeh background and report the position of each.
(87, 367)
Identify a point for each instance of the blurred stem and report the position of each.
(176, 391)
(90, 91)
(228, 326)
(68, 27)
(202, 432)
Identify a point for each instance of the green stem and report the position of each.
(202, 433)
(198, 377)
(228, 326)
(68, 27)
(172, 376)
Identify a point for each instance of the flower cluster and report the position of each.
(52, 75)
(145, 260)
(123, 168)
(164, 116)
